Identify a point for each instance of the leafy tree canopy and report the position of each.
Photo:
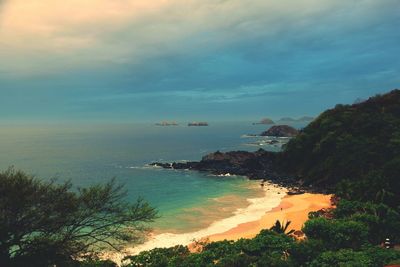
(45, 223)
(358, 145)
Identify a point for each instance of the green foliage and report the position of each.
(267, 247)
(337, 234)
(281, 228)
(305, 251)
(94, 263)
(357, 145)
(368, 257)
(380, 256)
(159, 257)
(353, 149)
(331, 243)
(344, 257)
(382, 220)
(44, 223)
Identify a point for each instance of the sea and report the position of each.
(189, 203)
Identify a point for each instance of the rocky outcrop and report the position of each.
(254, 165)
(281, 131)
(264, 121)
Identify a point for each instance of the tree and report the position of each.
(44, 223)
(281, 228)
(343, 257)
(159, 257)
(382, 220)
(336, 234)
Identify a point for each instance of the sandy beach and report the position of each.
(294, 208)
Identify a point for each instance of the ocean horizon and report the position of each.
(87, 154)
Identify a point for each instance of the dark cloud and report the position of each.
(249, 65)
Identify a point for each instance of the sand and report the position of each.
(294, 208)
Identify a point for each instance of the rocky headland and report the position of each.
(281, 131)
(258, 165)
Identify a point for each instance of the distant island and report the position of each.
(280, 131)
(331, 151)
(201, 123)
(292, 120)
(167, 123)
(264, 121)
(350, 151)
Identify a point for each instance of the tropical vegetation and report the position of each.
(351, 150)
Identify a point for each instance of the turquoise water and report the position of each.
(93, 153)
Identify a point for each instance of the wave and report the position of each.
(144, 167)
(256, 209)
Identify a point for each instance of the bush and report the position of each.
(343, 257)
(337, 234)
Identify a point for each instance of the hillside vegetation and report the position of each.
(355, 148)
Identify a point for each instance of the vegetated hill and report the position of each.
(358, 143)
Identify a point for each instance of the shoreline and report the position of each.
(294, 208)
(272, 197)
(262, 213)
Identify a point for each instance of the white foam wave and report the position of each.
(256, 209)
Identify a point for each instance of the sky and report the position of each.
(184, 60)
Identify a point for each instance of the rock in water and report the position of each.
(281, 131)
(265, 121)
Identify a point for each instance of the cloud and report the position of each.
(155, 57)
(54, 35)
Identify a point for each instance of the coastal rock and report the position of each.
(264, 121)
(281, 131)
(295, 191)
(256, 165)
(162, 165)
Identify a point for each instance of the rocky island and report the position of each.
(167, 123)
(292, 120)
(264, 121)
(202, 123)
(307, 159)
